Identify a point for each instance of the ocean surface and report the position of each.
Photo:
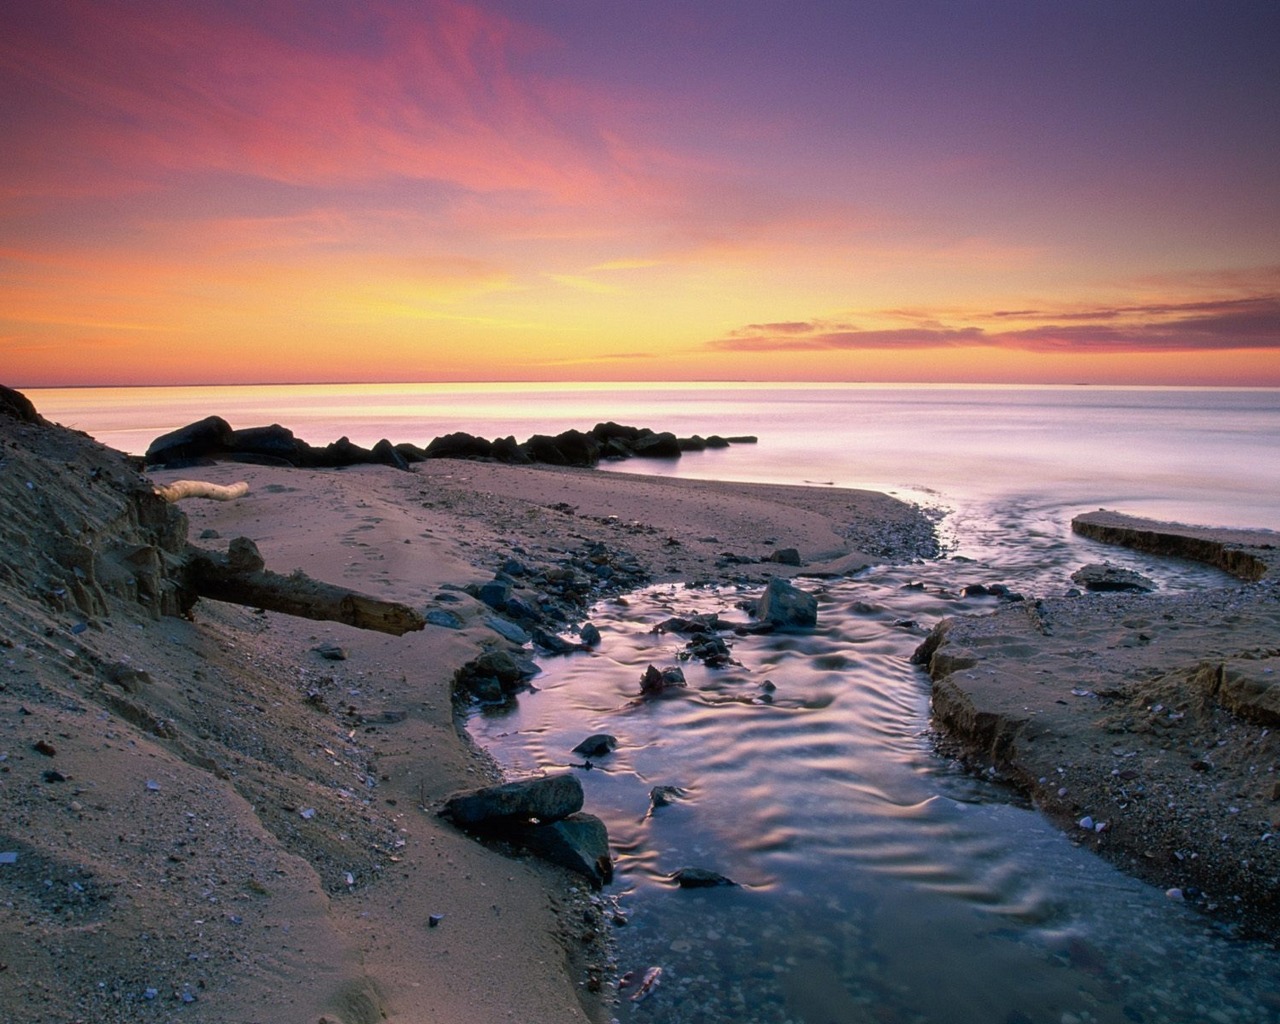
(877, 881)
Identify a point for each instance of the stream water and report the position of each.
(877, 881)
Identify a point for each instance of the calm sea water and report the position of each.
(878, 882)
(1202, 455)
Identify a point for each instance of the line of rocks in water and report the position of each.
(213, 438)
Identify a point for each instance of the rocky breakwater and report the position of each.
(213, 438)
(1146, 724)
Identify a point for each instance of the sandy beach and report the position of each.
(210, 820)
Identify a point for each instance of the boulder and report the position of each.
(459, 445)
(599, 744)
(542, 448)
(590, 635)
(1103, 576)
(579, 843)
(655, 681)
(385, 454)
(578, 449)
(786, 556)
(692, 444)
(505, 449)
(496, 593)
(274, 441)
(700, 878)
(495, 675)
(657, 446)
(553, 644)
(209, 436)
(785, 606)
(342, 452)
(543, 800)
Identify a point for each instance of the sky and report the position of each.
(245, 191)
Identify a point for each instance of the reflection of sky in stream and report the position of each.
(878, 882)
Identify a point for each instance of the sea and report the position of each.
(877, 881)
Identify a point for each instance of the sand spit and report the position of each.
(231, 816)
(1146, 725)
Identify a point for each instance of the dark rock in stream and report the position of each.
(655, 681)
(785, 606)
(494, 676)
(700, 878)
(664, 796)
(553, 644)
(600, 744)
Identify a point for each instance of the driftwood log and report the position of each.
(180, 489)
(239, 577)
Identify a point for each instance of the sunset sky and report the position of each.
(418, 190)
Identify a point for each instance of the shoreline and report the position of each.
(247, 827)
(238, 825)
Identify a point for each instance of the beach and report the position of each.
(234, 827)
(219, 813)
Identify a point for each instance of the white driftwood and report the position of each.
(180, 489)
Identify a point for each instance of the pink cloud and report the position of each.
(115, 90)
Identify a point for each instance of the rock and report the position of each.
(700, 878)
(692, 444)
(505, 449)
(663, 796)
(542, 448)
(711, 650)
(507, 630)
(459, 445)
(544, 800)
(654, 681)
(385, 454)
(786, 606)
(496, 593)
(209, 436)
(786, 556)
(577, 448)
(331, 652)
(579, 842)
(343, 452)
(705, 622)
(743, 439)
(274, 441)
(1100, 576)
(590, 635)
(444, 618)
(657, 446)
(553, 644)
(600, 744)
(493, 672)
(126, 676)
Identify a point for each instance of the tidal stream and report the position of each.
(877, 881)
